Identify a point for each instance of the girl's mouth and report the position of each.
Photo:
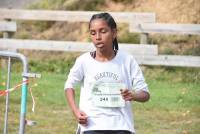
(99, 45)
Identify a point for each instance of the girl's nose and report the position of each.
(98, 36)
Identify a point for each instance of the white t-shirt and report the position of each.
(121, 69)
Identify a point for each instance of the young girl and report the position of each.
(108, 77)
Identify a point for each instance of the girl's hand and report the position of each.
(81, 117)
(140, 96)
(127, 95)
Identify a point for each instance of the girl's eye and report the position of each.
(103, 31)
(92, 32)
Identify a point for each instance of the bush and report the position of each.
(124, 1)
(51, 66)
(173, 74)
(130, 38)
(87, 5)
(47, 4)
(192, 51)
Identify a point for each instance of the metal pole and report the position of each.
(143, 38)
(23, 106)
(24, 86)
(7, 97)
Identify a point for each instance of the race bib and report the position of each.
(108, 95)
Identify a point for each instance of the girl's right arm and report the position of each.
(80, 115)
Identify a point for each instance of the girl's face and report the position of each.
(102, 35)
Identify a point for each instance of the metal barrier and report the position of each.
(25, 76)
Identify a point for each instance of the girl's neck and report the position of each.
(105, 55)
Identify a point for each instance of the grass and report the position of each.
(173, 107)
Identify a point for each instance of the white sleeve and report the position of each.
(75, 75)
(138, 80)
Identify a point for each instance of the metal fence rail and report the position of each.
(25, 75)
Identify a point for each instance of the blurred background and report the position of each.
(174, 106)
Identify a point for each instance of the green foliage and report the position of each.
(40, 26)
(68, 4)
(176, 44)
(129, 38)
(1, 34)
(47, 4)
(183, 74)
(124, 1)
(158, 38)
(53, 65)
(88, 5)
(190, 75)
(62, 65)
(23, 35)
(168, 50)
(193, 51)
(28, 29)
(124, 36)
